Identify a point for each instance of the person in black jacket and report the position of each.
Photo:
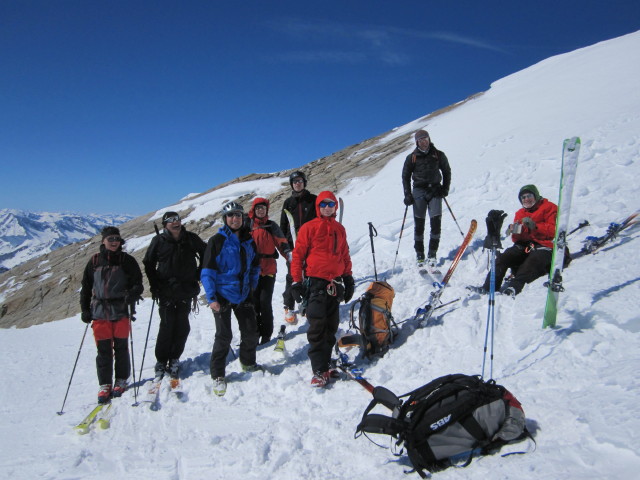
(172, 264)
(302, 206)
(111, 285)
(429, 169)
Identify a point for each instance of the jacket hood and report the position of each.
(326, 195)
(258, 201)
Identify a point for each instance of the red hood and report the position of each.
(326, 195)
(255, 202)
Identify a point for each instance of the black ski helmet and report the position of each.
(298, 174)
(232, 207)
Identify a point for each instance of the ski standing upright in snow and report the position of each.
(424, 314)
(570, 152)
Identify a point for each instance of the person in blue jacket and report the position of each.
(230, 272)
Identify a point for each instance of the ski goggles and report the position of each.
(174, 219)
(327, 203)
(114, 239)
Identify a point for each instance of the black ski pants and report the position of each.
(222, 342)
(529, 265)
(323, 315)
(174, 329)
(262, 299)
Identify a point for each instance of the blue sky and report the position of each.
(127, 106)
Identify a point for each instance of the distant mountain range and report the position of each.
(27, 235)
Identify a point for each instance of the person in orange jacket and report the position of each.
(269, 241)
(321, 257)
(532, 232)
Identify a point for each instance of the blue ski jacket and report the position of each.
(231, 267)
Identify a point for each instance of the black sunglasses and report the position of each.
(114, 239)
(234, 215)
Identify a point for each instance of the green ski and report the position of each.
(83, 427)
(570, 152)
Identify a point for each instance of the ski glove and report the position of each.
(349, 287)
(86, 317)
(408, 199)
(297, 290)
(529, 223)
(494, 224)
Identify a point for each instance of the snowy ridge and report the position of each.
(578, 383)
(26, 235)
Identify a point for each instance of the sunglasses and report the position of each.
(173, 219)
(327, 203)
(526, 196)
(298, 180)
(114, 239)
(234, 215)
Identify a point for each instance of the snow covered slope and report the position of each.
(578, 383)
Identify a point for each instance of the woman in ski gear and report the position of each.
(429, 169)
(230, 272)
(172, 265)
(321, 256)
(111, 285)
(302, 206)
(269, 240)
(532, 232)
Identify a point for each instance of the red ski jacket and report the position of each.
(268, 237)
(544, 214)
(321, 249)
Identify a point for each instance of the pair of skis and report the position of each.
(423, 314)
(100, 416)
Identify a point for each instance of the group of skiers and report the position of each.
(237, 269)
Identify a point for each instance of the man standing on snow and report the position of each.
(532, 232)
(429, 169)
(172, 267)
(302, 206)
(230, 272)
(111, 285)
(322, 257)
(269, 240)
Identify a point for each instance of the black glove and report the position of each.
(408, 199)
(297, 290)
(494, 225)
(349, 286)
(132, 296)
(529, 223)
(86, 317)
(440, 191)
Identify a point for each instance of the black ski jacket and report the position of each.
(303, 209)
(173, 266)
(429, 171)
(110, 280)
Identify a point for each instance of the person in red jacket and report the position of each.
(269, 240)
(532, 232)
(321, 257)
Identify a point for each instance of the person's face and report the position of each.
(327, 208)
(260, 211)
(234, 220)
(174, 224)
(112, 242)
(527, 199)
(423, 144)
(298, 184)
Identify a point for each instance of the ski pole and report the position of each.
(406, 208)
(373, 233)
(490, 313)
(146, 342)
(74, 369)
(133, 364)
(458, 225)
(580, 225)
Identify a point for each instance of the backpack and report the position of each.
(375, 322)
(448, 421)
